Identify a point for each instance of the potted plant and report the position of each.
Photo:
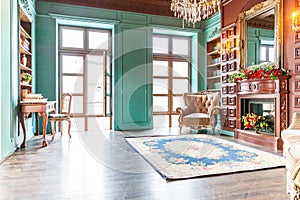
(25, 77)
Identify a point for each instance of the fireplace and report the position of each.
(260, 107)
(268, 98)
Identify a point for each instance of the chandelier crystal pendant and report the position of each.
(192, 11)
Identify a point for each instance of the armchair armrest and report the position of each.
(214, 111)
(183, 110)
(296, 174)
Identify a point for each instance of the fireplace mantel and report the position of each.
(264, 89)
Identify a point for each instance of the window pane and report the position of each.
(77, 104)
(95, 100)
(160, 104)
(108, 106)
(263, 54)
(180, 69)
(72, 38)
(160, 68)
(271, 54)
(108, 85)
(72, 64)
(178, 102)
(160, 86)
(95, 70)
(72, 84)
(95, 108)
(98, 40)
(180, 46)
(160, 45)
(95, 85)
(180, 86)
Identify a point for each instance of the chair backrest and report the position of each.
(200, 102)
(65, 104)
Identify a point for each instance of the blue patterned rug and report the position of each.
(188, 156)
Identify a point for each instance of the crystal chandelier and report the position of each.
(192, 11)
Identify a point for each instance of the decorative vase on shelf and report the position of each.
(24, 60)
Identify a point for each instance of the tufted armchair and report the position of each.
(200, 110)
(291, 150)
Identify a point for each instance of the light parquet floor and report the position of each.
(101, 165)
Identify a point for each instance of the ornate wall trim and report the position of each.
(27, 7)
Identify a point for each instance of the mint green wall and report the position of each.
(132, 38)
(10, 135)
(8, 105)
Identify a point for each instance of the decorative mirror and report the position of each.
(260, 34)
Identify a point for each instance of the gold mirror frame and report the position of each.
(253, 12)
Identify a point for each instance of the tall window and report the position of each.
(86, 71)
(171, 76)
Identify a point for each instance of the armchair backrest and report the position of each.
(201, 102)
(295, 121)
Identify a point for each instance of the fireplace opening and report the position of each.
(260, 107)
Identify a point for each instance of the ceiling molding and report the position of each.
(155, 7)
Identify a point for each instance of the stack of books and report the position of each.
(25, 44)
(34, 98)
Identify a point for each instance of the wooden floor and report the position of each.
(101, 165)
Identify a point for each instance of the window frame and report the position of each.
(171, 58)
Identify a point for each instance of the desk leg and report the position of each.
(37, 123)
(22, 117)
(44, 115)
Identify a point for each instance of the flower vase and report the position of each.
(24, 60)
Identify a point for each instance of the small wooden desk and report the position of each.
(40, 108)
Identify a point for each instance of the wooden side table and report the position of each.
(42, 109)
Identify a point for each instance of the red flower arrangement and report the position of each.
(258, 72)
(252, 121)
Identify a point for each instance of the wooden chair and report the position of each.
(64, 115)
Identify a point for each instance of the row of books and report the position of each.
(25, 43)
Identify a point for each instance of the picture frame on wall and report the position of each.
(297, 53)
(297, 68)
(297, 86)
(297, 102)
(297, 36)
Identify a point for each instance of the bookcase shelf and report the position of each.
(213, 65)
(25, 53)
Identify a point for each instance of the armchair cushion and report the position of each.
(196, 118)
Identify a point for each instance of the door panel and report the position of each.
(134, 90)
